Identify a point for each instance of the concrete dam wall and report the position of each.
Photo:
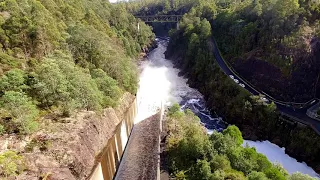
(108, 161)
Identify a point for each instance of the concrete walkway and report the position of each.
(141, 157)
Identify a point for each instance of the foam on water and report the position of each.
(160, 85)
(277, 155)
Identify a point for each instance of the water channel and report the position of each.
(160, 85)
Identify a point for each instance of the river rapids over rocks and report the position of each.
(161, 86)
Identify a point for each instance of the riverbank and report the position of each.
(255, 120)
(160, 82)
(220, 155)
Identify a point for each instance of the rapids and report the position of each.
(160, 85)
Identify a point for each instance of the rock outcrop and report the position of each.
(66, 148)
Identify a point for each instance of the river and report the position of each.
(160, 85)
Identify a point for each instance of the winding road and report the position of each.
(295, 111)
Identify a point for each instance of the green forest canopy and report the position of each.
(65, 55)
(192, 154)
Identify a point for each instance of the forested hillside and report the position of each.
(192, 154)
(191, 47)
(273, 44)
(58, 57)
(158, 7)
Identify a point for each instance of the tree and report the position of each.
(180, 175)
(274, 174)
(235, 133)
(205, 29)
(201, 170)
(218, 175)
(108, 86)
(254, 175)
(299, 176)
(192, 154)
(51, 84)
(21, 110)
(13, 80)
(220, 162)
(175, 108)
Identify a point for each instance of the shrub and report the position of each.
(2, 130)
(51, 86)
(61, 83)
(299, 176)
(235, 133)
(11, 164)
(21, 111)
(13, 80)
(108, 86)
(254, 175)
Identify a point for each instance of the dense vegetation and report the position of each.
(191, 50)
(159, 7)
(11, 163)
(60, 56)
(192, 154)
(279, 41)
(273, 44)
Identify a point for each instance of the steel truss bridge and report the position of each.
(160, 18)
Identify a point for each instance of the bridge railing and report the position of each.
(160, 18)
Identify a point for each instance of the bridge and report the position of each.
(160, 18)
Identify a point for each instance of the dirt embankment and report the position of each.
(66, 148)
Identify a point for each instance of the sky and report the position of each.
(113, 1)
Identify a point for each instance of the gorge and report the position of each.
(69, 80)
(160, 82)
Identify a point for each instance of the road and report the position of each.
(286, 108)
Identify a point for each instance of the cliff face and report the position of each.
(67, 148)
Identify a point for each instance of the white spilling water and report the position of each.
(160, 84)
(277, 155)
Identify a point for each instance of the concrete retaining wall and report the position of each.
(108, 160)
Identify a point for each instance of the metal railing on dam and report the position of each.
(108, 160)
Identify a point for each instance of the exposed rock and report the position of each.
(73, 143)
(13, 142)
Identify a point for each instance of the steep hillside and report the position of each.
(273, 44)
(217, 156)
(191, 50)
(58, 58)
